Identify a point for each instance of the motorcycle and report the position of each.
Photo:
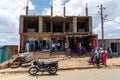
(50, 67)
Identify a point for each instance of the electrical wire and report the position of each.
(113, 21)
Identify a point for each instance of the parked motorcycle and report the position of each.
(50, 67)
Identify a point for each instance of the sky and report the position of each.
(10, 11)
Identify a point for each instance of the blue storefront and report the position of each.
(114, 44)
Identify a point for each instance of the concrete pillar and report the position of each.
(86, 10)
(90, 24)
(64, 26)
(52, 8)
(21, 22)
(21, 43)
(74, 24)
(51, 11)
(26, 10)
(64, 11)
(40, 24)
(51, 26)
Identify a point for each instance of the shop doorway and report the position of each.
(113, 47)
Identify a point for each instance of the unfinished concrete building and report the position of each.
(41, 31)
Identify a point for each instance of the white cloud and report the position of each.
(77, 7)
(10, 10)
(9, 39)
(57, 8)
(111, 29)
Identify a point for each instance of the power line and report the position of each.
(113, 21)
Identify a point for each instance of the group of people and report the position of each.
(79, 49)
(97, 56)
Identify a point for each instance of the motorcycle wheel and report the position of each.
(52, 70)
(33, 70)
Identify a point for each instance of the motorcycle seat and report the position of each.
(41, 63)
(52, 62)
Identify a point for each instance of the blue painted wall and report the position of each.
(1, 51)
(5, 54)
(108, 44)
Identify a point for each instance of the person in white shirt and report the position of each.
(53, 47)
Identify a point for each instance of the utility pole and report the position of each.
(103, 44)
(102, 26)
(51, 28)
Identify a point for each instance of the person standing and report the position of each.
(92, 57)
(80, 50)
(83, 50)
(27, 47)
(58, 46)
(109, 51)
(103, 57)
(53, 47)
(66, 47)
(97, 57)
(69, 52)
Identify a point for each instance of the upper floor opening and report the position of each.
(30, 24)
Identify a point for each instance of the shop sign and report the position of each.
(57, 34)
(40, 36)
(76, 36)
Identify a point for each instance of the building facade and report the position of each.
(39, 32)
